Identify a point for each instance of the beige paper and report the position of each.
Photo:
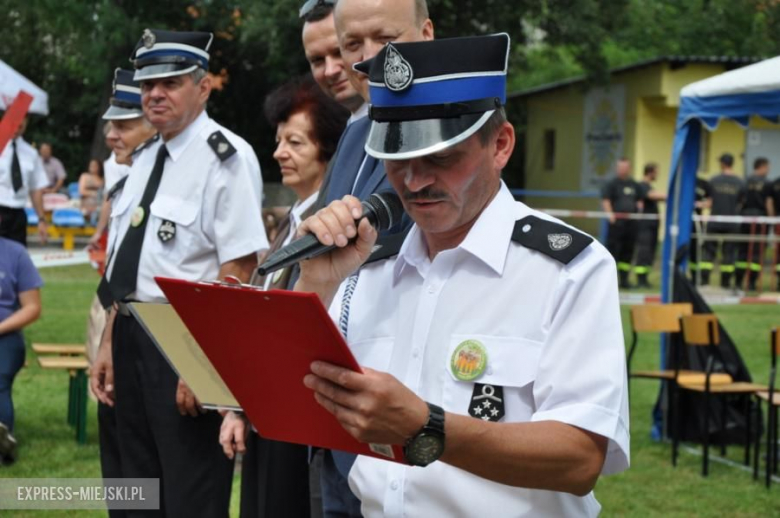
(184, 354)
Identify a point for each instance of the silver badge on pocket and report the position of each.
(167, 231)
(487, 402)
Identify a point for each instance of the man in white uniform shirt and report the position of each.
(190, 209)
(496, 356)
(22, 176)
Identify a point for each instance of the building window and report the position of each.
(549, 149)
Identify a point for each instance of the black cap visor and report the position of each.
(412, 139)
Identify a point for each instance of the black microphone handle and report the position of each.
(306, 247)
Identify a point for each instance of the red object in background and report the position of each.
(262, 343)
(13, 118)
(97, 256)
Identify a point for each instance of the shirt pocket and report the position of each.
(374, 353)
(182, 213)
(512, 363)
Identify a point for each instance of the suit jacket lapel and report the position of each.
(348, 160)
(374, 173)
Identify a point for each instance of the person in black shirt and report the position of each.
(753, 201)
(647, 237)
(773, 209)
(703, 200)
(726, 189)
(621, 195)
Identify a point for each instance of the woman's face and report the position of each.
(298, 155)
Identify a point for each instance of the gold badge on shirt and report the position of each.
(469, 360)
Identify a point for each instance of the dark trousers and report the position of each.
(11, 361)
(749, 253)
(620, 243)
(274, 479)
(338, 501)
(155, 441)
(110, 461)
(646, 245)
(728, 250)
(13, 224)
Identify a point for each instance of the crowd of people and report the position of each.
(633, 242)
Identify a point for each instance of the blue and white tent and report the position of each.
(737, 95)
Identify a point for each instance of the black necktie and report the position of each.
(16, 170)
(124, 276)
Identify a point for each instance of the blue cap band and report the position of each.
(440, 92)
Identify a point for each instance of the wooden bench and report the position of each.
(77, 367)
(60, 349)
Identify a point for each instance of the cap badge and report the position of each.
(398, 71)
(149, 38)
(468, 360)
(559, 242)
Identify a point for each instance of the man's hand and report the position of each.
(374, 407)
(335, 224)
(101, 374)
(94, 241)
(232, 434)
(43, 230)
(186, 400)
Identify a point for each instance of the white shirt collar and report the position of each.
(179, 143)
(488, 240)
(300, 207)
(358, 114)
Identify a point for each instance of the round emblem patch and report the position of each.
(138, 216)
(469, 360)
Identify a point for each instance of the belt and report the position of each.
(123, 308)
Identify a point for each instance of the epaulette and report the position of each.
(387, 247)
(116, 188)
(146, 144)
(221, 146)
(552, 239)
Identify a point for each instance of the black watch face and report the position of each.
(426, 448)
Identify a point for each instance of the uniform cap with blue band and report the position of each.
(161, 54)
(126, 97)
(430, 95)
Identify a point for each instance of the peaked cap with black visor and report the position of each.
(161, 54)
(428, 96)
(126, 97)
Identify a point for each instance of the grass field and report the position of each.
(650, 488)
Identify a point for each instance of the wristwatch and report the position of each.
(428, 444)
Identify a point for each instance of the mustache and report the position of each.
(426, 194)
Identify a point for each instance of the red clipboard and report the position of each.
(262, 343)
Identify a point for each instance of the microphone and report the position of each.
(383, 210)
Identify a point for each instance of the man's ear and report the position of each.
(205, 86)
(504, 145)
(427, 30)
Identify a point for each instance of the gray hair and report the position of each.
(198, 74)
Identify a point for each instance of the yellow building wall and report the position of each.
(652, 100)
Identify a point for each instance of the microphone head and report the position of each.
(383, 209)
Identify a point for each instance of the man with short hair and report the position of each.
(55, 171)
(487, 353)
(21, 176)
(622, 195)
(753, 202)
(725, 189)
(321, 46)
(189, 209)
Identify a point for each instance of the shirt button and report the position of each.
(415, 353)
(431, 289)
(394, 485)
